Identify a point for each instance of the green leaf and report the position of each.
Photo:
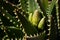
(42, 7)
(29, 29)
(32, 6)
(45, 3)
(43, 36)
(14, 32)
(10, 17)
(23, 4)
(50, 8)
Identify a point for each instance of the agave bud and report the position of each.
(41, 23)
(30, 17)
(36, 17)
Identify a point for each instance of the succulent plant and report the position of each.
(31, 17)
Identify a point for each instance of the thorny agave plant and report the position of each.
(31, 17)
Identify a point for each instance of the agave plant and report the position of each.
(31, 17)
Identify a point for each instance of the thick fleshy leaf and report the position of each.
(50, 8)
(29, 29)
(45, 3)
(32, 6)
(10, 17)
(14, 32)
(23, 5)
